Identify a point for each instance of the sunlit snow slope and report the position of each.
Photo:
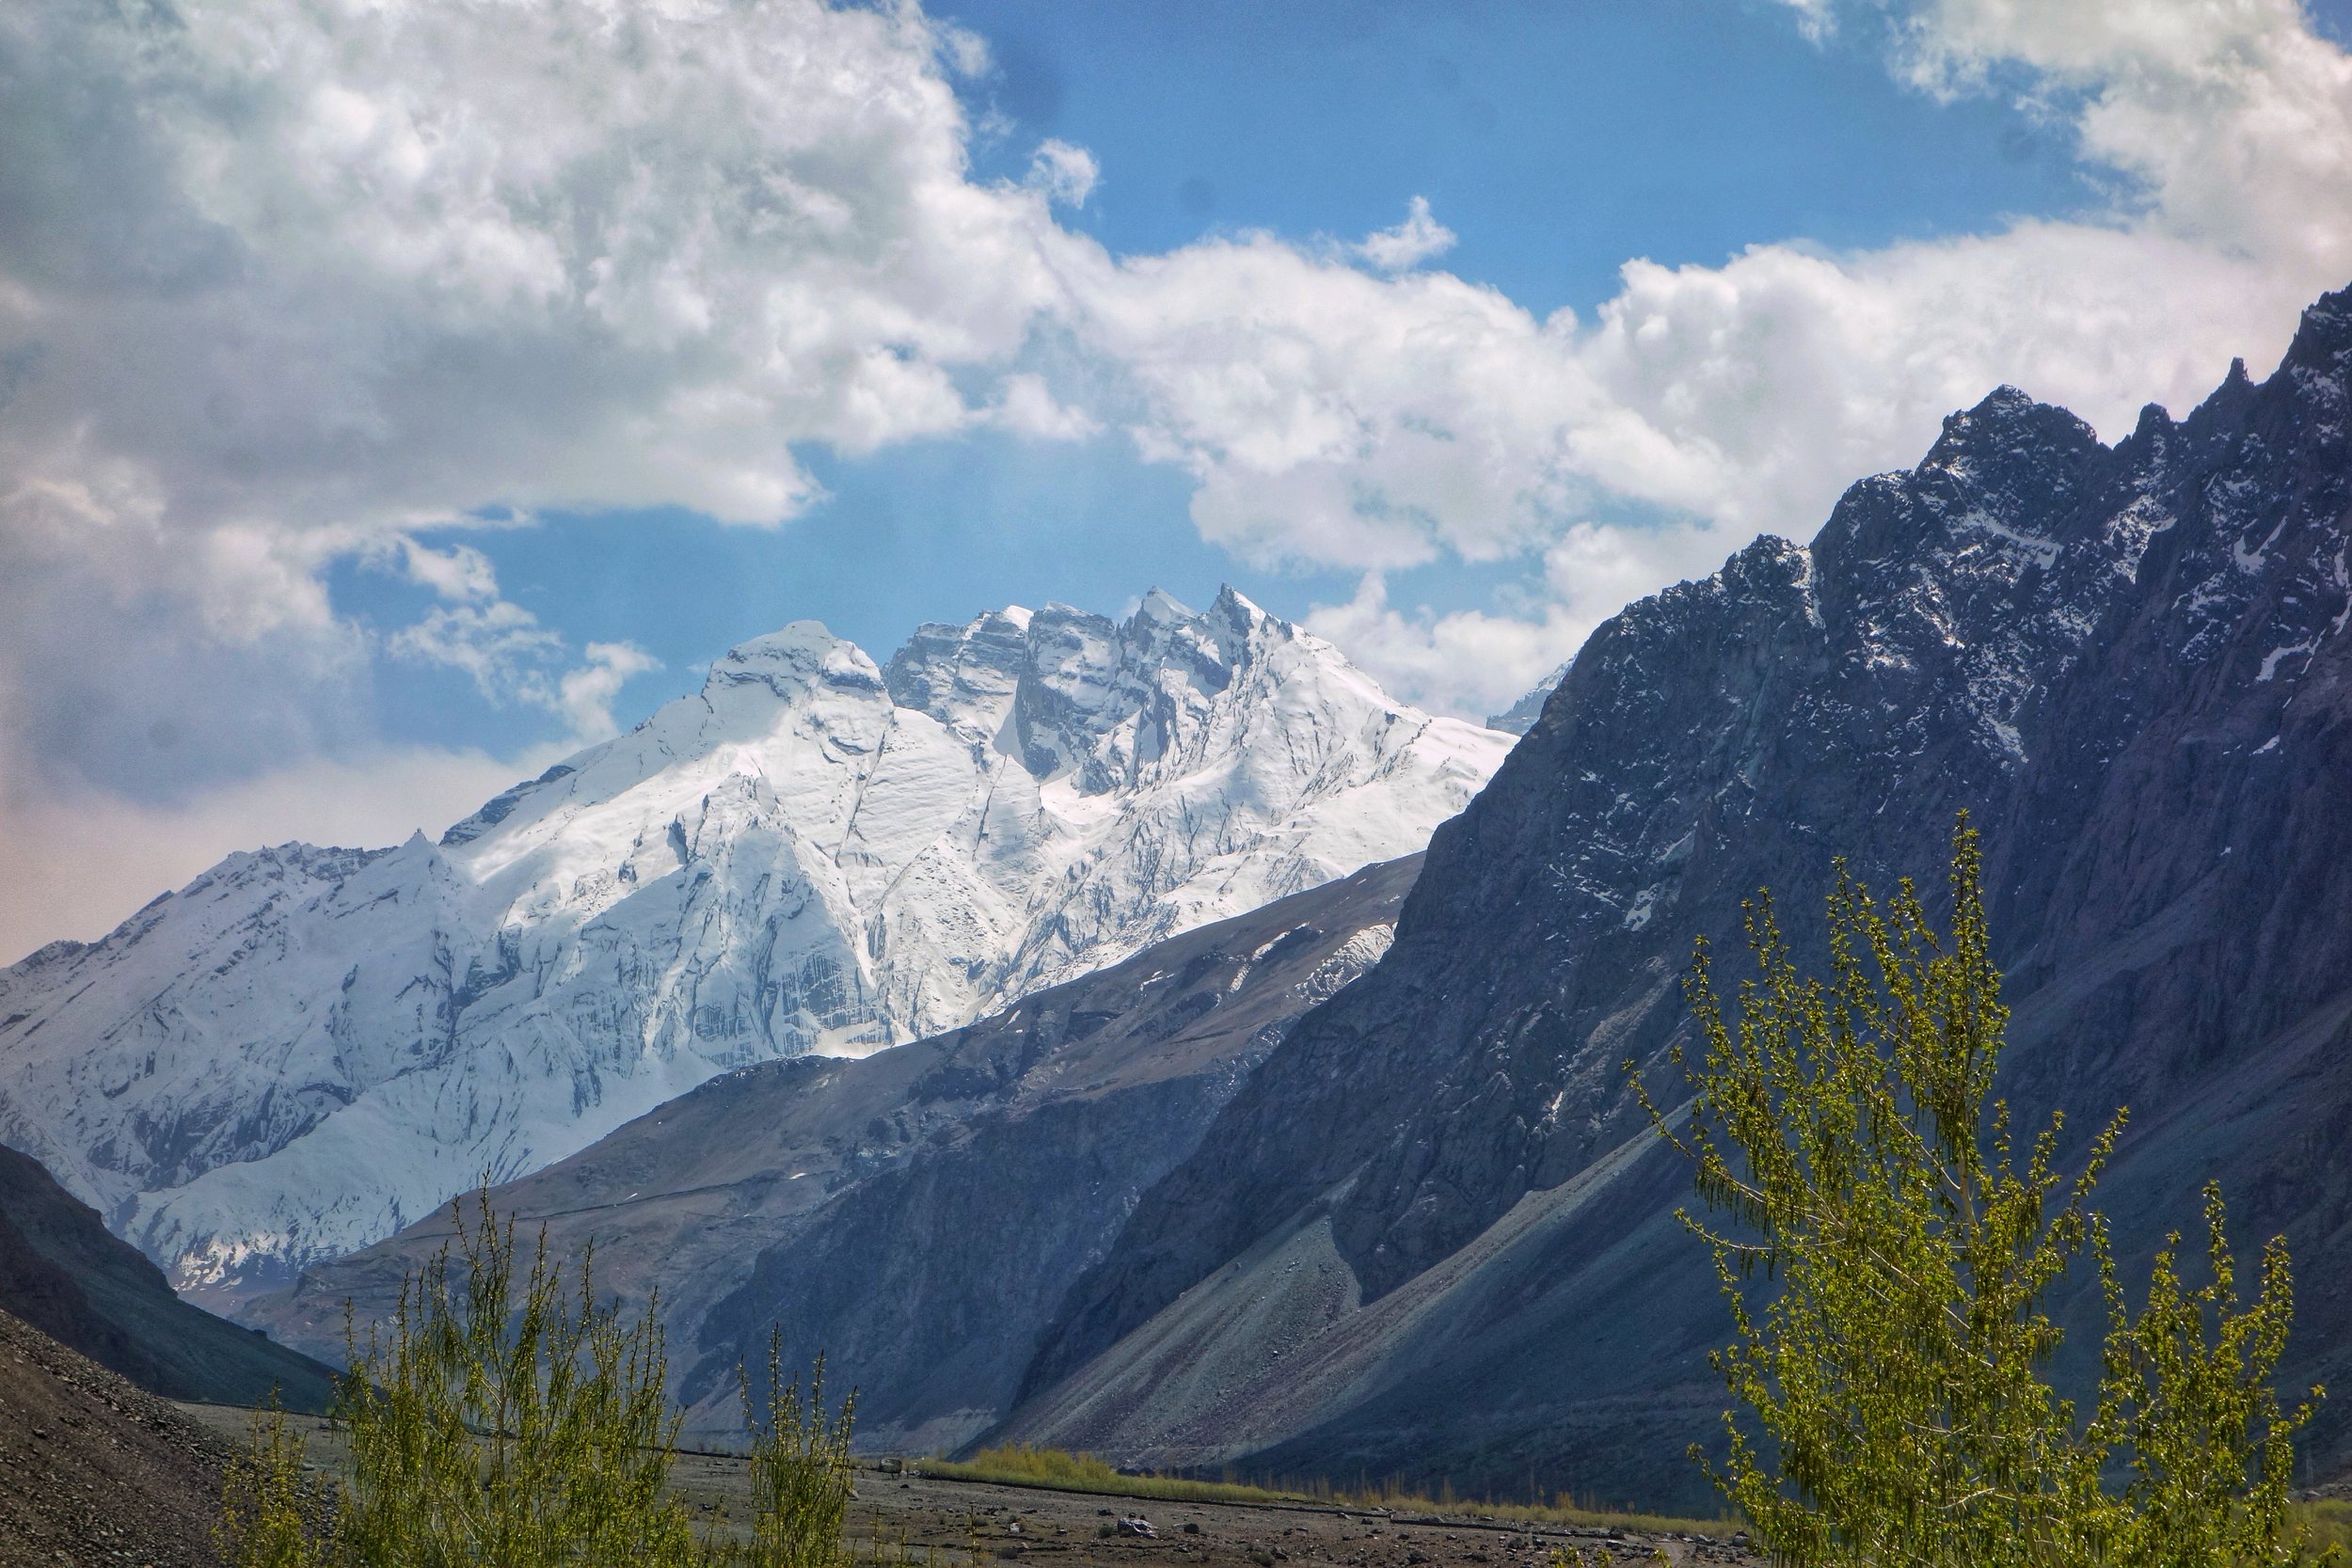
(305, 1049)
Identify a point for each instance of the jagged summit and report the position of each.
(1409, 1242)
(304, 1049)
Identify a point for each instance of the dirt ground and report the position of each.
(926, 1522)
(1007, 1522)
(93, 1470)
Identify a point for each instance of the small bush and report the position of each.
(263, 1522)
(802, 1472)
(528, 1427)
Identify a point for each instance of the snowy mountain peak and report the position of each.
(305, 1049)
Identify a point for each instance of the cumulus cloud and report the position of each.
(1066, 174)
(1476, 662)
(585, 696)
(284, 285)
(1029, 408)
(126, 851)
(1420, 238)
(1341, 420)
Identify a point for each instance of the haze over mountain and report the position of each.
(306, 1048)
(1433, 1236)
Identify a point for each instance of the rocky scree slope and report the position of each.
(63, 1272)
(2129, 662)
(94, 1471)
(916, 1215)
(305, 1049)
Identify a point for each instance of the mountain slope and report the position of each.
(918, 1214)
(62, 1272)
(1520, 715)
(305, 1049)
(99, 1472)
(2128, 662)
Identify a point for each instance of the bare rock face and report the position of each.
(305, 1049)
(916, 1215)
(2129, 663)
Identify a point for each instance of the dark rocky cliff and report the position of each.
(2127, 661)
(62, 1271)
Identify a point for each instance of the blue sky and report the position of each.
(1556, 140)
(1442, 328)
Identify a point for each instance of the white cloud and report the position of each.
(1420, 238)
(512, 658)
(460, 574)
(585, 696)
(1474, 663)
(1028, 408)
(74, 867)
(1343, 420)
(285, 284)
(1066, 174)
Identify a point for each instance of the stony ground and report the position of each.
(913, 1521)
(968, 1518)
(92, 1470)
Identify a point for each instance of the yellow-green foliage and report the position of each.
(802, 1471)
(1888, 1270)
(494, 1427)
(517, 1431)
(261, 1523)
(2327, 1520)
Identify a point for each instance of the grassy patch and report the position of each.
(1060, 1471)
(2328, 1520)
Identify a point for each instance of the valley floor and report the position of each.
(933, 1522)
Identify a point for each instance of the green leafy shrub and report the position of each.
(519, 1423)
(1891, 1356)
(264, 1521)
(517, 1431)
(802, 1472)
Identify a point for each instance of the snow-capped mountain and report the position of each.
(1520, 715)
(305, 1049)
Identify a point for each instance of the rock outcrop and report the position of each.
(2129, 662)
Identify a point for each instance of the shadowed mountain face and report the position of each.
(917, 1214)
(1436, 1200)
(63, 1272)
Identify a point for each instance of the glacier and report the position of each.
(305, 1049)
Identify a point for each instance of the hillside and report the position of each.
(917, 1215)
(2127, 661)
(63, 1274)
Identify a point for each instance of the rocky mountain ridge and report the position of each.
(305, 1048)
(917, 1215)
(2127, 661)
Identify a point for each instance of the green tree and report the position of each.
(514, 1429)
(505, 1422)
(1889, 1261)
(801, 1469)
